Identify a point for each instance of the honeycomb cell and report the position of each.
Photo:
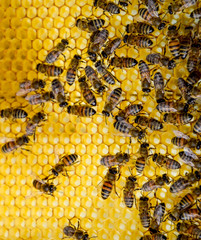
(42, 12)
(48, 23)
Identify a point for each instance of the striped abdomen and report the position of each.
(174, 46)
(69, 160)
(140, 164)
(106, 189)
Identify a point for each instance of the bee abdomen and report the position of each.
(106, 189)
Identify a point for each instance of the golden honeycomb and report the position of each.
(29, 29)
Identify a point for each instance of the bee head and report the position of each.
(52, 188)
(92, 56)
(42, 83)
(82, 79)
(63, 104)
(165, 117)
(98, 63)
(141, 135)
(197, 174)
(198, 145)
(171, 64)
(65, 42)
(52, 95)
(155, 157)
(95, 3)
(105, 113)
(161, 26)
(125, 38)
(144, 199)
(104, 54)
(86, 236)
(38, 66)
(132, 179)
(178, 227)
(41, 116)
(170, 10)
(101, 89)
(55, 173)
(172, 27)
(78, 57)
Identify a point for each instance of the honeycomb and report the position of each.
(29, 30)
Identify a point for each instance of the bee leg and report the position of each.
(66, 174)
(115, 190)
(63, 56)
(26, 149)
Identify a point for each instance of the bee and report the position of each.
(44, 187)
(155, 21)
(178, 119)
(50, 70)
(157, 236)
(188, 157)
(111, 46)
(171, 107)
(34, 122)
(123, 62)
(58, 92)
(184, 237)
(128, 129)
(190, 214)
(107, 6)
(29, 86)
(159, 87)
(112, 160)
(59, 49)
(105, 74)
(91, 25)
(184, 182)
(72, 69)
(174, 42)
(185, 42)
(95, 81)
(40, 98)
(130, 110)
(81, 111)
(191, 230)
(140, 28)
(152, 6)
(144, 212)
(86, 91)
(193, 77)
(196, 14)
(140, 164)
(157, 58)
(13, 145)
(165, 161)
(179, 6)
(185, 88)
(151, 123)
(60, 167)
(197, 126)
(137, 40)
(157, 219)
(76, 233)
(124, 3)
(129, 188)
(155, 183)
(112, 101)
(183, 140)
(14, 113)
(112, 175)
(145, 76)
(192, 61)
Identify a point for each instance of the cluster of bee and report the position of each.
(132, 121)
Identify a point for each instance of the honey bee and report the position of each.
(72, 69)
(197, 126)
(76, 233)
(128, 129)
(145, 76)
(155, 21)
(188, 157)
(193, 77)
(183, 140)
(112, 160)
(185, 42)
(157, 58)
(192, 61)
(157, 219)
(89, 25)
(185, 88)
(130, 110)
(137, 40)
(123, 62)
(112, 175)
(144, 212)
(191, 230)
(111, 46)
(86, 91)
(95, 81)
(151, 123)
(29, 86)
(59, 49)
(13, 145)
(196, 14)
(14, 113)
(40, 98)
(157, 236)
(58, 92)
(105, 74)
(34, 122)
(184, 182)
(171, 107)
(141, 161)
(112, 101)
(190, 214)
(44, 187)
(152, 6)
(174, 42)
(107, 6)
(165, 161)
(139, 27)
(81, 111)
(159, 87)
(155, 183)
(180, 5)
(178, 119)
(50, 70)
(129, 188)
(60, 167)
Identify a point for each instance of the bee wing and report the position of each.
(25, 84)
(191, 153)
(23, 92)
(38, 95)
(180, 134)
(151, 8)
